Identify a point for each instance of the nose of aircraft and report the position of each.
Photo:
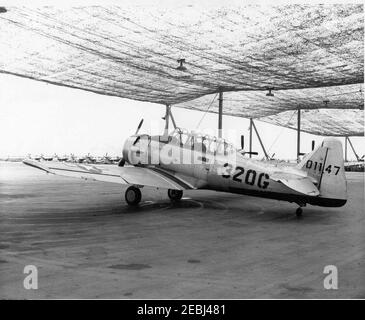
(135, 149)
(129, 143)
(127, 147)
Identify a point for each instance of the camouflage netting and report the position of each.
(334, 111)
(132, 52)
(325, 122)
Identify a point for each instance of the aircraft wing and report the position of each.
(297, 183)
(129, 175)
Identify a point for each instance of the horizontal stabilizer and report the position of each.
(297, 183)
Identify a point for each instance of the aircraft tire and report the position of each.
(133, 196)
(175, 195)
(299, 212)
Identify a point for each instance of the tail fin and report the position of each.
(325, 164)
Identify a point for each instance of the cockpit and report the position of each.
(201, 142)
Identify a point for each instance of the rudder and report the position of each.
(325, 164)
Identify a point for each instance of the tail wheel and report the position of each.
(133, 196)
(175, 195)
(299, 212)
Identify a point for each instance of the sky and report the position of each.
(38, 118)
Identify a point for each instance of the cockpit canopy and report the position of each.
(205, 143)
(193, 141)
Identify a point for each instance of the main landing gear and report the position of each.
(133, 196)
(175, 195)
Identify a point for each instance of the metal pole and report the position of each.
(298, 136)
(250, 137)
(172, 118)
(220, 114)
(353, 149)
(345, 148)
(258, 136)
(167, 115)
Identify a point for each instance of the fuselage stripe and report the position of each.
(171, 177)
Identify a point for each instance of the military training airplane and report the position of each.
(59, 158)
(186, 161)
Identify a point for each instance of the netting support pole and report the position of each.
(353, 149)
(298, 136)
(172, 117)
(167, 117)
(220, 114)
(345, 148)
(251, 122)
(258, 136)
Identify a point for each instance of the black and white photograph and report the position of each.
(182, 150)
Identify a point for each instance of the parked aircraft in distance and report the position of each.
(106, 159)
(37, 158)
(64, 158)
(187, 161)
(89, 159)
(46, 158)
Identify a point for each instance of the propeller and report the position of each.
(122, 161)
(139, 126)
(137, 139)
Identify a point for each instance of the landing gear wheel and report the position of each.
(299, 212)
(175, 195)
(133, 196)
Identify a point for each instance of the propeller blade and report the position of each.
(139, 126)
(121, 162)
(137, 139)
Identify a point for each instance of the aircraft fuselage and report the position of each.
(218, 169)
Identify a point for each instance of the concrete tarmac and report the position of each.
(87, 243)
